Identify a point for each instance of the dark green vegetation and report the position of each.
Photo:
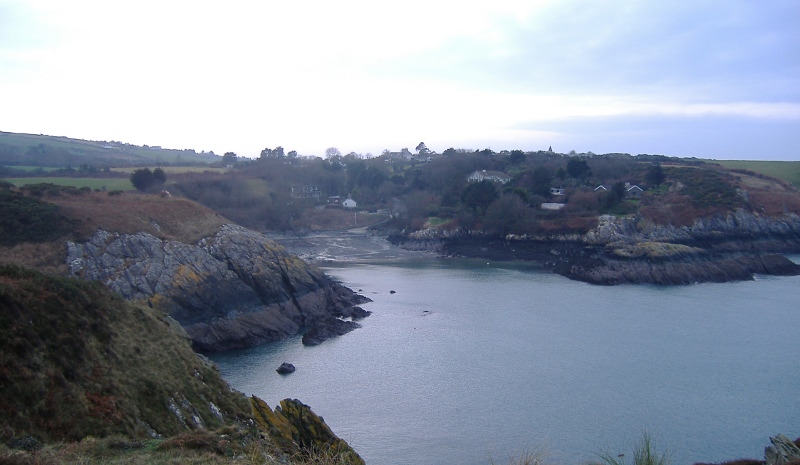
(27, 218)
(67, 359)
(420, 192)
(99, 184)
(145, 180)
(78, 363)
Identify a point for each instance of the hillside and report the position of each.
(228, 286)
(32, 150)
(78, 362)
(66, 352)
(37, 221)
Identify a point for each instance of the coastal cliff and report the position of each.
(633, 249)
(67, 349)
(231, 290)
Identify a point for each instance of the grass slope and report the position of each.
(77, 360)
(788, 171)
(89, 378)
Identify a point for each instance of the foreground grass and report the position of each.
(230, 445)
(643, 454)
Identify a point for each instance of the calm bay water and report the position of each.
(470, 362)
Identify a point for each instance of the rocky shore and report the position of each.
(232, 290)
(634, 250)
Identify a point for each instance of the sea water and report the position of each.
(470, 362)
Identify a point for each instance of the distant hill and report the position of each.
(31, 150)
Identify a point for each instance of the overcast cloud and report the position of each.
(712, 79)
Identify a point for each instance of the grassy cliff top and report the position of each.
(38, 219)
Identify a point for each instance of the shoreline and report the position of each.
(660, 263)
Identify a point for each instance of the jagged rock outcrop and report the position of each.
(235, 289)
(633, 249)
(736, 225)
(701, 267)
(782, 451)
(721, 248)
(296, 429)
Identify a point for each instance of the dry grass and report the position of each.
(128, 213)
(229, 445)
(48, 257)
(195, 448)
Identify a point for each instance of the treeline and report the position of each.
(428, 189)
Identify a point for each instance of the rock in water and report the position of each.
(286, 368)
(327, 329)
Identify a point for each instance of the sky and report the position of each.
(702, 78)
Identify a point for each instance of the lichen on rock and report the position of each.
(296, 429)
(232, 290)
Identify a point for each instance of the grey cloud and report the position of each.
(703, 136)
(734, 50)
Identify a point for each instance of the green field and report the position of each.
(109, 184)
(175, 169)
(784, 170)
(34, 168)
(64, 151)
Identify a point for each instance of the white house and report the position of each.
(553, 206)
(349, 203)
(494, 176)
(633, 191)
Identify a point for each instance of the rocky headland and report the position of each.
(231, 290)
(633, 249)
(79, 364)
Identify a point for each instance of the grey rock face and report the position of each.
(782, 451)
(633, 249)
(235, 289)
